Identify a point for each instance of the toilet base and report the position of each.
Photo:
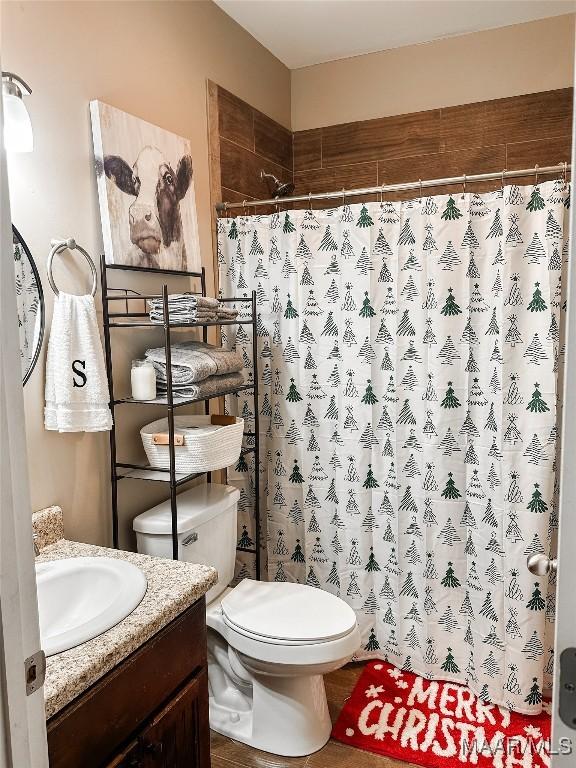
(286, 716)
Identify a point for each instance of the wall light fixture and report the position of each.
(18, 136)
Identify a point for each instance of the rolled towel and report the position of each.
(227, 312)
(194, 361)
(189, 308)
(206, 388)
(226, 360)
(174, 298)
(185, 301)
(184, 317)
(206, 301)
(191, 315)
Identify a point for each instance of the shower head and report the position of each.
(278, 188)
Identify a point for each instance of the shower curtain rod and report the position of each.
(563, 168)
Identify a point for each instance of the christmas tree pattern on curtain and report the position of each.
(410, 370)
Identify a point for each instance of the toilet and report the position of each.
(269, 643)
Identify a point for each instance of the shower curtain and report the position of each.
(410, 370)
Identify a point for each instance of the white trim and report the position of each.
(23, 725)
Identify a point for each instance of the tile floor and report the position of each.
(227, 753)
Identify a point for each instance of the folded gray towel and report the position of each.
(194, 361)
(227, 312)
(226, 360)
(184, 308)
(185, 300)
(188, 308)
(203, 316)
(206, 388)
(207, 301)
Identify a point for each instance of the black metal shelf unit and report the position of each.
(112, 320)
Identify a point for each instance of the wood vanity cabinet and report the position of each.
(172, 737)
(151, 711)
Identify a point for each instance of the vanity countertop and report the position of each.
(172, 587)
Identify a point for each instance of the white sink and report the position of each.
(81, 597)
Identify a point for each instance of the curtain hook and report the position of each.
(244, 207)
(343, 196)
(536, 174)
(420, 188)
(310, 201)
(503, 182)
(464, 185)
(565, 172)
(381, 194)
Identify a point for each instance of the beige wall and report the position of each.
(511, 61)
(151, 59)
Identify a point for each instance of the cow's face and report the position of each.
(155, 213)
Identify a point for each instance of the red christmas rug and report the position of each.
(438, 724)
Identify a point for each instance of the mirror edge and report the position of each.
(33, 362)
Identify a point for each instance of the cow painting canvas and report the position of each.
(146, 192)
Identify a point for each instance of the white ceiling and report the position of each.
(305, 32)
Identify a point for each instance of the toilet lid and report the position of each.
(287, 612)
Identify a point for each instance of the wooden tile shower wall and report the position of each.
(249, 142)
(516, 132)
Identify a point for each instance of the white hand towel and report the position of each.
(77, 397)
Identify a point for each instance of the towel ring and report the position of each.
(61, 245)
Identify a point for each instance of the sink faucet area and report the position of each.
(81, 597)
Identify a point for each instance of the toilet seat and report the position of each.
(273, 640)
(286, 613)
(318, 627)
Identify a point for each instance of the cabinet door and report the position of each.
(179, 735)
(131, 757)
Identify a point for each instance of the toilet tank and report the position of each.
(206, 530)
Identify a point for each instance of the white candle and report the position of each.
(143, 380)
